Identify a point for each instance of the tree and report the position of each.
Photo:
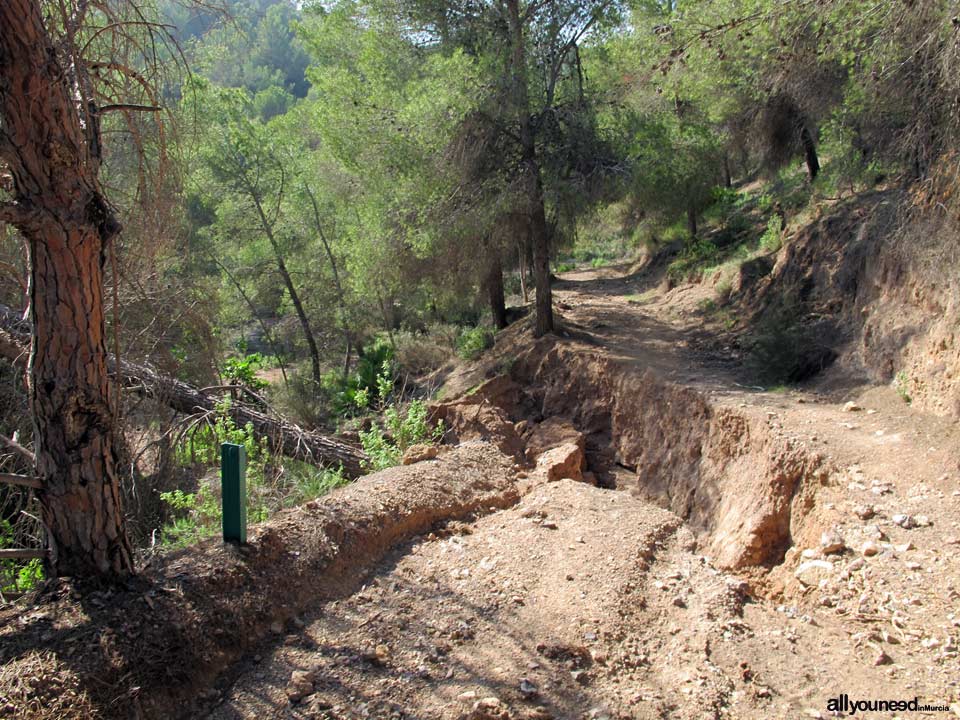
(252, 182)
(50, 143)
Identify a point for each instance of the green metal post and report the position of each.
(233, 476)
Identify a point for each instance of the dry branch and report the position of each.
(285, 437)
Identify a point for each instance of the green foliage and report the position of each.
(772, 237)
(385, 446)
(309, 482)
(695, 257)
(901, 383)
(782, 349)
(17, 575)
(197, 516)
(243, 371)
(369, 385)
(473, 341)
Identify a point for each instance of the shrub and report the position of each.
(364, 387)
(696, 256)
(16, 575)
(420, 353)
(243, 371)
(772, 238)
(901, 383)
(385, 446)
(782, 350)
(473, 341)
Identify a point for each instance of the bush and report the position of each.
(243, 371)
(403, 428)
(365, 387)
(696, 257)
(17, 575)
(772, 238)
(782, 350)
(420, 353)
(197, 515)
(473, 341)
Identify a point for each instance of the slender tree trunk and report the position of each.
(256, 316)
(494, 285)
(692, 221)
(533, 183)
(522, 254)
(809, 152)
(59, 208)
(288, 283)
(727, 175)
(341, 301)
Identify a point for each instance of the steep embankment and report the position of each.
(874, 278)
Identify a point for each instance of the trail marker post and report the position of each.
(233, 476)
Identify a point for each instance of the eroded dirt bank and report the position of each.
(628, 532)
(154, 649)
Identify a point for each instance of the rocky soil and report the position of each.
(684, 546)
(621, 527)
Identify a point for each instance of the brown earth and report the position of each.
(583, 602)
(741, 555)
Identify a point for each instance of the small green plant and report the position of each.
(772, 238)
(309, 482)
(385, 446)
(765, 203)
(15, 575)
(243, 371)
(368, 387)
(598, 262)
(901, 383)
(696, 256)
(199, 517)
(562, 267)
(473, 341)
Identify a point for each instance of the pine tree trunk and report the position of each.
(61, 212)
(533, 183)
(810, 153)
(692, 221)
(522, 254)
(288, 283)
(494, 283)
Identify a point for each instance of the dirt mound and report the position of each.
(155, 645)
(483, 414)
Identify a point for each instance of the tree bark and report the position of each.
(521, 254)
(59, 208)
(341, 297)
(284, 437)
(532, 180)
(288, 283)
(494, 286)
(692, 221)
(809, 152)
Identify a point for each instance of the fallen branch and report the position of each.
(285, 437)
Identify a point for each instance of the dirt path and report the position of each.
(580, 602)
